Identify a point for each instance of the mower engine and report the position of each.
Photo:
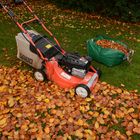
(75, 65)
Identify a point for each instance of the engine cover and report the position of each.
(75, 64)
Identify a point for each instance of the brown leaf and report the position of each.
(136, 130)
(47, 130)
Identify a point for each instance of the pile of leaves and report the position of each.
(31, 109)
(111, 44)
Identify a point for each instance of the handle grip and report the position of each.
(1, 5)
(18, 1)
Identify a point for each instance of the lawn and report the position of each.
(73, 29)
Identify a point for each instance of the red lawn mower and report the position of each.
(68, 70)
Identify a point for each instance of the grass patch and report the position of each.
(119, 128)
(136, 136)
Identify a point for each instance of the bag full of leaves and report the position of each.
(108, 51)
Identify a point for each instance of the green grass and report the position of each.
(72, 30)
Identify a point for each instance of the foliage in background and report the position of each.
(125, 9)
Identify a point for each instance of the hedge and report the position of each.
(128, 10)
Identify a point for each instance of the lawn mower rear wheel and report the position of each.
(40, 75)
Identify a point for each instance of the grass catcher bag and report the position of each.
(108, 51)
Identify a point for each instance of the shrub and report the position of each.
(128, 10)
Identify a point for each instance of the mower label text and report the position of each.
(25, 58)
(65, 75)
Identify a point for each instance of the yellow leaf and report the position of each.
(135, 122)
(3, 121)
(96, 125)
(113, 116)
(3, 103)
(89, 137)
(103, 83)
(79, 134)
(1, 117)
(82, 108)
(3, 88)
(11, 102)
(19, 115)
(95, 114)
(51, 120)
(90, 112)
(101, 120)
(88, 99)
(106, 112)
(24, 127)
(17, 98)
(130, 110)
(126, 92)
(97, 104)
(122, 85)
(70, 119)
(39, 98)
(88, 131)
(72, 93)
(92, 96)
(47, 130)
(46, 100)
(118, 133)
(135, 90)
(4, 111)
(80, 122)
(119, 90)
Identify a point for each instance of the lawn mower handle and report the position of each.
(21, 25)
(36, 18)
(10, 12)
(1, 5)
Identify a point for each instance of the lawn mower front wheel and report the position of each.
(39, 75)
(82, 90)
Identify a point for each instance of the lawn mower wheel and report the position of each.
(39, 75)
(82, 90)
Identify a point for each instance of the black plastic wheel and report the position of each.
(39, 75)
(82, 90)
(99, 72)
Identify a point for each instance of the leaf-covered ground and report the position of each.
(41, 110)
(73, 29)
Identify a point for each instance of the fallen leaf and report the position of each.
(11, 102)
(136, 130)
(47, 130)
(3, 121)
(79, 134)
(96, 125)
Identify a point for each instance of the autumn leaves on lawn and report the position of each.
(31, 109)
